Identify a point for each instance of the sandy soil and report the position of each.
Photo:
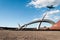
(29, 35)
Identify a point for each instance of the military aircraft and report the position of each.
(50, 7)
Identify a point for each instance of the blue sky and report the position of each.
(13, 12)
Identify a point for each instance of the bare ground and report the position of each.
(29, 35)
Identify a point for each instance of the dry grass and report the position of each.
(29, 35)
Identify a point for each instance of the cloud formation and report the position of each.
(52, 15)
(52, 12)
(44, 3)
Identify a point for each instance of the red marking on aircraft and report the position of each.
(56, 25)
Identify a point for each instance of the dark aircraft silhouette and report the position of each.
(50, 7)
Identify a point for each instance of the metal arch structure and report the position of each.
(37, 21)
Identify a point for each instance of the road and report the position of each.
(29, 35)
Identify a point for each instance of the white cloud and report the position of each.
(52, 12)
(44, 3)
(56, 17)
(52, 15)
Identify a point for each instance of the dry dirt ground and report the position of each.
(29, 35)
